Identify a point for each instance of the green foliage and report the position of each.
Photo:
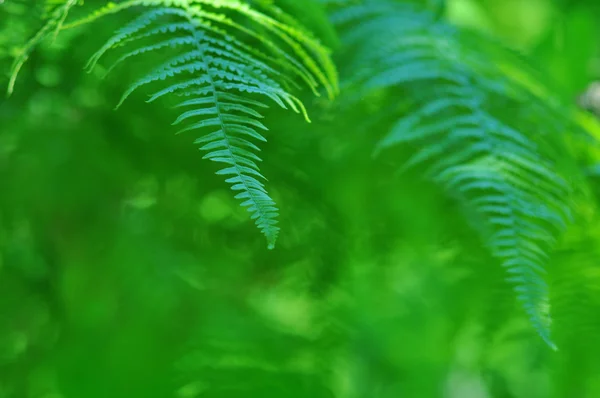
(218, 67)
(449, 175)
(503, 175)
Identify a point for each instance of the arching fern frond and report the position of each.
(220, 57)
(495, 162)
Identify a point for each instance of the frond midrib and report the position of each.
(270, 230)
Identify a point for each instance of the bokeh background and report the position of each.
(127, 269)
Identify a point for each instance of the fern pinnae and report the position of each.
(172, 43)
(293, 64)
(293, 37)
(128, 31)
(244, 55)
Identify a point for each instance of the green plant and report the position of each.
(485, 128)
(213, 67)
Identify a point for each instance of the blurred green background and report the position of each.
(127, 269)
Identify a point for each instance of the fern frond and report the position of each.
(504, 176)
(220, 80)
(225, 55)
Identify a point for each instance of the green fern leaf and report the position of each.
(504, 177)
(220, 80)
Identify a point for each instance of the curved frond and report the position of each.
(220, 80)
(225, 58)
(457, 125)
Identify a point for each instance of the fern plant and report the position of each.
(221, 62)
(503, 171)
(220, 68)
(386, 283)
